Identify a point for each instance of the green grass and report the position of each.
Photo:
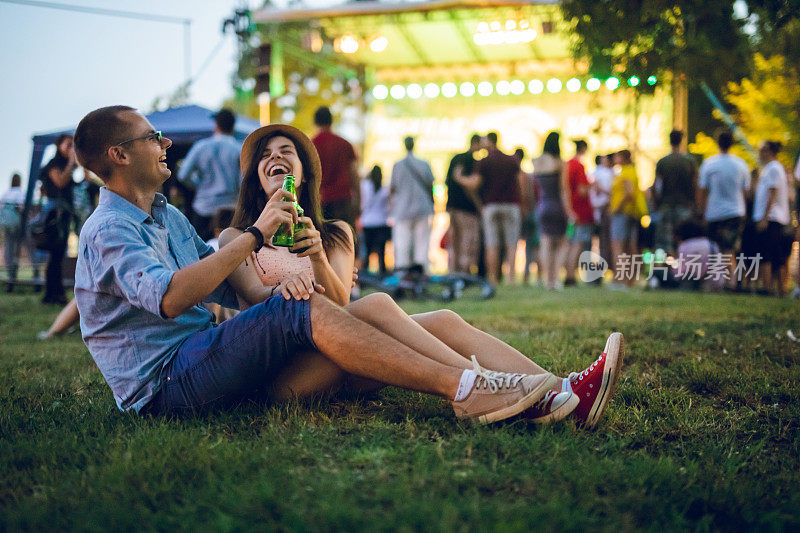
(702, 435)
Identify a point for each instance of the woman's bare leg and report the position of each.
(67, 318)
(468, 340)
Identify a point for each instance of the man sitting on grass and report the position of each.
(143, 272)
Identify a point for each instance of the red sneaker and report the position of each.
(552, 407)
(595, 386)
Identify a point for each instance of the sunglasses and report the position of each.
(156, 136)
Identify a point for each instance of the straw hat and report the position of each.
(300, 139)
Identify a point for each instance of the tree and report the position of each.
(695, 40)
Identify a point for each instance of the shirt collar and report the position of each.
(115, 202)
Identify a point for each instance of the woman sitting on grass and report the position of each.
(321, 260)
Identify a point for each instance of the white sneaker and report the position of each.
(500, 395)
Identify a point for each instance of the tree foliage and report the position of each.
(701, 39)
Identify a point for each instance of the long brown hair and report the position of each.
(253, 198)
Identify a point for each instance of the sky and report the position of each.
(58, 65)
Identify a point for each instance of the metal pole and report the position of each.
(187, 49)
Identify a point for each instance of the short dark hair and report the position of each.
(474, 139)
(675, 137)
(492, 137)
(520, 153)
(725, 140)
(774, 146)
(323, 117)
(409, 143)
(690, 229)
(625, 154)
(96, 132)
(16, 179)
(225, 120)
(597, 159)
(580, 145)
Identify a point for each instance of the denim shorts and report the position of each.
(582, 234)
(238, 359)
(621, 227)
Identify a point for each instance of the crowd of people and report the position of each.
(708, 215)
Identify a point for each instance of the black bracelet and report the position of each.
(257, 234)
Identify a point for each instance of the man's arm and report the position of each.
(761, 225)
(186, 172)
(191, 284)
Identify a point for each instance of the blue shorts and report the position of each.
(582, 233)
(235, 360)
(621, 227)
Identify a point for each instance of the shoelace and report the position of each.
(578, 376)
(493, 380)
(542, 404)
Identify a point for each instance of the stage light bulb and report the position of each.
(431, 90)
(380, 92)
(553, 85)
(652, 80)
(574, 85)
(449, 89)
(379, 44)
(414, 91)
(467, 89)
(517, 87)
(503, 88)
(485, 88)
(612, 83)
(592, 84)
(348, 44)
(633, 81)
(398, 92)
(535, 86)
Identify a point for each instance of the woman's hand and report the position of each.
(279, 210)
(308, 241)
(355, 273)
(300, 287)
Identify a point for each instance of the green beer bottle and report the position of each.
(285, 234)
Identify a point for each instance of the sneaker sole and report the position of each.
(527, 401)
(559, 413)
(615, 349)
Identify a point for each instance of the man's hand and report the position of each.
(355, 274)
(299, 287)
(279, 210)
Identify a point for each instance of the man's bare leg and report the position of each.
(360, 349)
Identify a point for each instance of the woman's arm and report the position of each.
(244, 279)
(61, 178)
(566, 201)
(333, 269)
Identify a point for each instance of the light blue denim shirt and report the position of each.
(212, 167)
(126, 259)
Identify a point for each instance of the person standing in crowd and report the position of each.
(724, 179)
(602, 177)
(530, 229)
(374, 217)
(553, 209)
(411, 201)
(463, 207)
(796, 291)
(11, 204)
(771, 215)
(340, 182)
(579, 187)
(625, 202)
(212, 168)
(499, 179)
(57, 185)
(673, 191)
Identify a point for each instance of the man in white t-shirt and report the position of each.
(723, 180)
(771, 215)
(599, 194)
